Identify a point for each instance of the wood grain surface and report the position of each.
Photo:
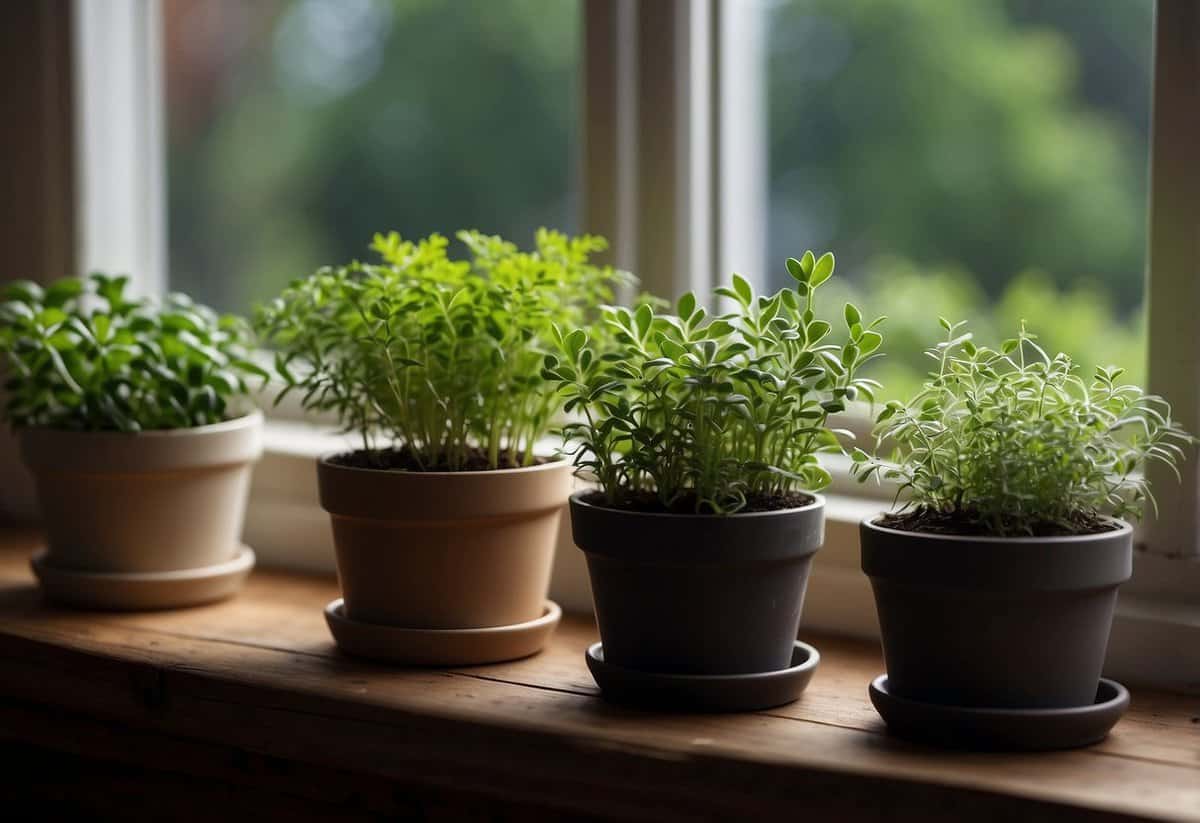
(199, 691)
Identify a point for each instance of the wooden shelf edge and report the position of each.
(258, 675)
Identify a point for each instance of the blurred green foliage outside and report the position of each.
(985, 160)
(977, 159)
(299, 128)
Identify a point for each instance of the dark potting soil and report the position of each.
(402, 460)
(648, 503)
(968, 524)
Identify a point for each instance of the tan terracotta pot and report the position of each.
(148, 502)
(444, 550)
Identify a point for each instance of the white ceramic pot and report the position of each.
(152, 501)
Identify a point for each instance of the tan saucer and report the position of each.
(143, 590)
(441, 647)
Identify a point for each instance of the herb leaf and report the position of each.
(82, 355)
(437, 355)
(1011, 441)
(711, 410)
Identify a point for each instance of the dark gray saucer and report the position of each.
(1001, 729)
(705, 693)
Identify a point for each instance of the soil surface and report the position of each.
(648, 503)
(968, 524)
(403, 460)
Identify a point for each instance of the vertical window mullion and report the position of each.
(739, 82)
(1173, 287)
(36, 143)
(120, 140)
(648, 151)
(599, 141)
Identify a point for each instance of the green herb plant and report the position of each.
(82, 355)
(713, 414)
(433, 359)
(1014, 442)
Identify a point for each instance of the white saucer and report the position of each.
(441, 647)
(142, 590)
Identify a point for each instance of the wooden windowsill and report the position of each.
(251, 693)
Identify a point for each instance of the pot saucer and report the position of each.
(1001, 729)
(440, 647)
(142, 591)
(705, 692)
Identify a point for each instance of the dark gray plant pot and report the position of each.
(995, 622)
(698, 594)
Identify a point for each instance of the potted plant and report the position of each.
(445, 519)
(135, 423)
(996, 580)
(702, 433)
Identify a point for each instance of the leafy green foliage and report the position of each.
(1082, 319)
(497, 137)
(82, 355)
(435, 355)
(1036, 133)
(711, 411)
(1013, 442)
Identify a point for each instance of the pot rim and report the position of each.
(1124, 529)
(234, 424)
(818, 502)
(552, 463)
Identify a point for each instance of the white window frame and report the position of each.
(674, 166)
(120, 141)
(1173, 263)
(1157, 633)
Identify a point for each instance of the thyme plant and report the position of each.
(1014, 442)
(435, 362)
(82, 355)
(713, 414)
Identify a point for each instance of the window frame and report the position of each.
(1173, 267)
(662, 134)
(120, 140)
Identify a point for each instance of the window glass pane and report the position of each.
(298, 128)
(979, 159)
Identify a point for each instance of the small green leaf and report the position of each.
(718, 329)
(807, 263)
(822, 271)
(686, 306)
(849, 354)
(744, 291)
(575, 341)
(24, 291)
(643, 317)
(817, 331)
(61, 291)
